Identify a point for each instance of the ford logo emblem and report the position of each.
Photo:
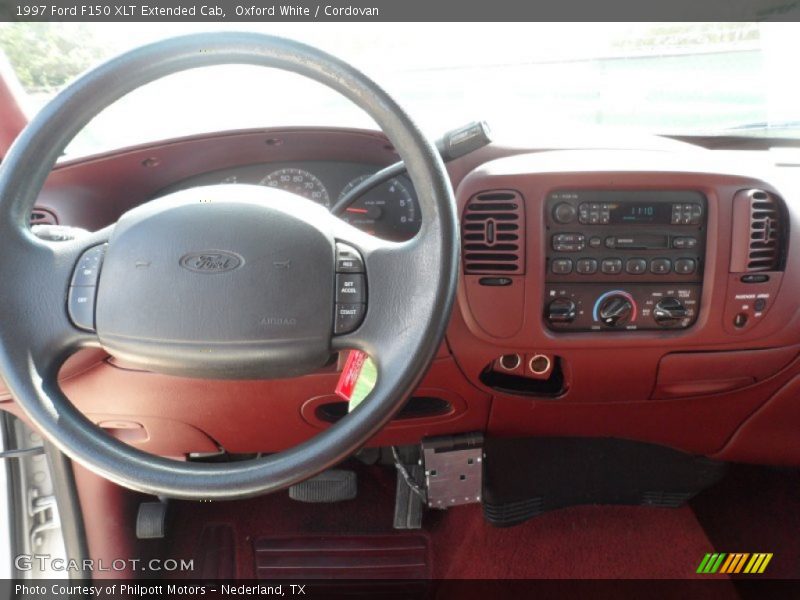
(211, 261)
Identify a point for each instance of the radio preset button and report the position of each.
(636, 266)
(611, 266)
(660, 266)
(561, 266)
(586, 266)
(685, 266)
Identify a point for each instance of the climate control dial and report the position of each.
(669, 311)
(615, 309)
(561, 310)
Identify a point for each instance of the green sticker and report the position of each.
(364, 384)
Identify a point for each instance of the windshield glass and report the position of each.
(642, 77)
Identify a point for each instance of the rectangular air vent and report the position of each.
(41, 216)
(493, 233)
(759, 232)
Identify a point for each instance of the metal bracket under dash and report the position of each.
(453, 469)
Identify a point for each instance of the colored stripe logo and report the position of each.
(735, 562)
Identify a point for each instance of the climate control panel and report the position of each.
(589, 307)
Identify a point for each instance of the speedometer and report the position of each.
(388, 211)
(300, 182)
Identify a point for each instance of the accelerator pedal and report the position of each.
(333, 485)
(409, 502)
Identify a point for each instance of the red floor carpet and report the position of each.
(581, 542)
(748, 514)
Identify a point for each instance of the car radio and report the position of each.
(624, 260)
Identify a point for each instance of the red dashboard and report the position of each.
(721, 379)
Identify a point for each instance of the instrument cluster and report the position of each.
(390, 211)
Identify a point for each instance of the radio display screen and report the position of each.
(640, 212)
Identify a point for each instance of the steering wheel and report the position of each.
(218, 282)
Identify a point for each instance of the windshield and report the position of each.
(642, 77)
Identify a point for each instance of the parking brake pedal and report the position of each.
(151, 520)
(333, 485)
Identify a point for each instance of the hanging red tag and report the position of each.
(350, 373)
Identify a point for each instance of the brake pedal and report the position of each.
(333, 485)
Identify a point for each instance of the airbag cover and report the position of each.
(220, 281)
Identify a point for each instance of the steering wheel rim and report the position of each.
(411, 285)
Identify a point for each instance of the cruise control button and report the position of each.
(561, 266)
(685, 266)
(350, 288)
(611, 266)
(636, 266)
(348, 317)
(348, 260)
(87, 270)
(586, 266)
(80, 304)
(660, 266)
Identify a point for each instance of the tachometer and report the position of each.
(388, 211)
(300, 182)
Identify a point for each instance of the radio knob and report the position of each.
(669, 311)
(561, 310)
(564, 213)
(615, 310)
